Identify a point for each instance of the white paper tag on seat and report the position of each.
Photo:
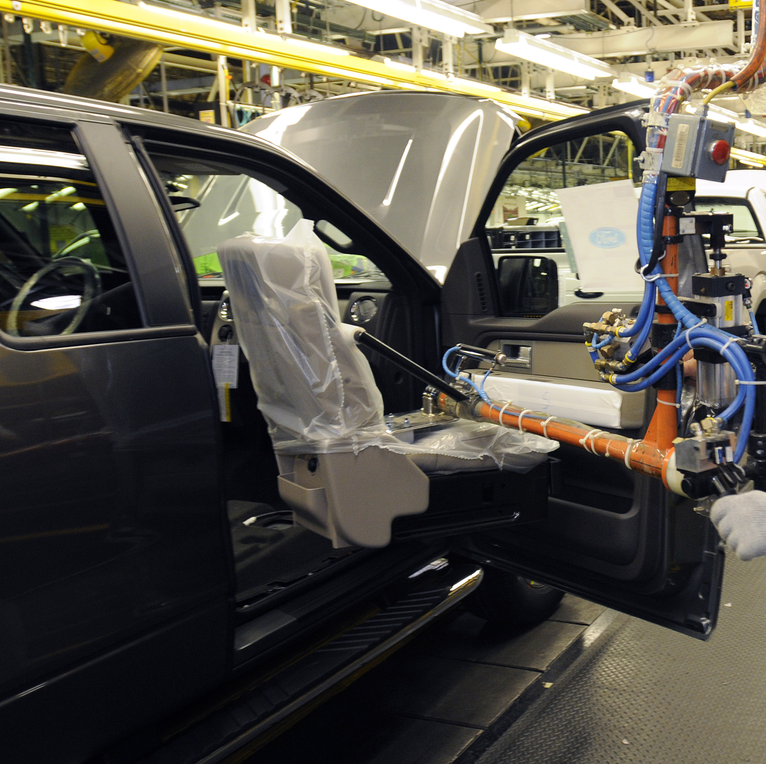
(226, 373)
(226, 365)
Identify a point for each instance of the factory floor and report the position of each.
(587, 686)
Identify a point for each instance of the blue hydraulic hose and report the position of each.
(706, 336)
(478, 388)
(703, 335)
(735, 356)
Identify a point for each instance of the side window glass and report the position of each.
(222, 202)
(527, 231)
(62, 270)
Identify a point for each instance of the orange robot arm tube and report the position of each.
(639, 455)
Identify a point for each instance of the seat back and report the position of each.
(315, 387)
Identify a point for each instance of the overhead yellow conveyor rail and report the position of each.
(222, 39)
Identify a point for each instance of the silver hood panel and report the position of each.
(420, 164)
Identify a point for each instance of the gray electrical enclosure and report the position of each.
(690, 144)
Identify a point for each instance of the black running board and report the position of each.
(236, 725)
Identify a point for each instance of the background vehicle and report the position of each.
(147, 554)
(743, 193)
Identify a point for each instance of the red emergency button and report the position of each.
(720, 151)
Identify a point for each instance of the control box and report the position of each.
(697, 147)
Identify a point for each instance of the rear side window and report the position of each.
(62, 270)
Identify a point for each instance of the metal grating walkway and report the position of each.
(647, 695)
(587, 687)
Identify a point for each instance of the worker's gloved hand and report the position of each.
(741, 521)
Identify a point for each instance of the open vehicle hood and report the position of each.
(420, 164)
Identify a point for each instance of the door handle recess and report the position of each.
(518, 355)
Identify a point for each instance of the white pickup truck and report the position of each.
(743, 194)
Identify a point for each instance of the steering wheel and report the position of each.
(83, 236)
(91, 289)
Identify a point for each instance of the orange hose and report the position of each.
(636, 455)
(650, 456)
(757, 52)
(663, 429)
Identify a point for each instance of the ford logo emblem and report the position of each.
(607, 238)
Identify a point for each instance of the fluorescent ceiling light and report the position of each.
(432, 14)
(398, 65)
(477, 84)
(752, 127)
(750, 163)
(544, 53)
(636, 86)
(717, 114)
(749, 157)
(432, 74)
(318, 46)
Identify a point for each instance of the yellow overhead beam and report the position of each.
(168, 27)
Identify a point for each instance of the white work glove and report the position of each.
(741, 521)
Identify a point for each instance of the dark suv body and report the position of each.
(145, 554)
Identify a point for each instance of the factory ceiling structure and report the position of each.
(546, 59)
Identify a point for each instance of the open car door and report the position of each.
(610, 535)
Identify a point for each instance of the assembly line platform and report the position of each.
(587, 686)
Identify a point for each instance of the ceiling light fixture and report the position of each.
(752, 127)
(630, 83)
(432, 14)
(398, 65)
(319, 47)
(476, 84)
(205, 35)
(749, 157)
(544, 53)
(717, 114)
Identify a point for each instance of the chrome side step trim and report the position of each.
(319, 671)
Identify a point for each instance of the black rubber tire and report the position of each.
(509, 599)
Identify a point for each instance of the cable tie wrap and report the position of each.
(668, 403)
(656, 276)
(628, 450)
(545, 425)
(656, 119)
(682, 85)
(689, 331)
(502, 412)
(726, 345)
(591, 436)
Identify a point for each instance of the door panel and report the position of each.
(111, 524)
(109, 478)
(610, 534)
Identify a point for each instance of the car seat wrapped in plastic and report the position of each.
(342, 474)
